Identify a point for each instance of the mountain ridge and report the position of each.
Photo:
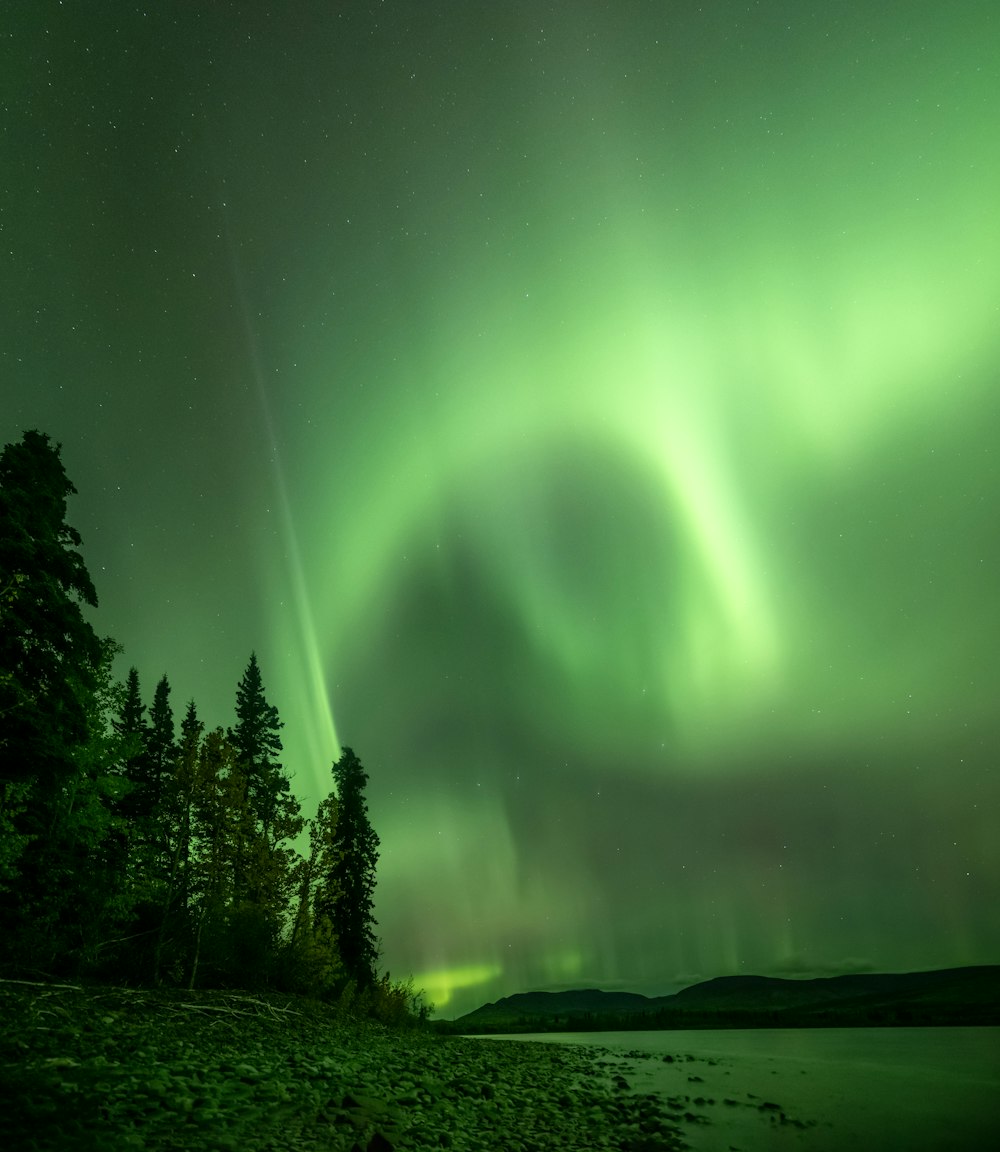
(969, 995)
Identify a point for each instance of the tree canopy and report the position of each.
(131, 850)
(350, 894)
(49, 653)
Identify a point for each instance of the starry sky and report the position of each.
(587, 411)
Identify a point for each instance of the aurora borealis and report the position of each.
(589, 414)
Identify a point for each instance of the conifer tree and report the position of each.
(316, 965)
(176, 815)
(218, 809)
(348, 894)
(136, 841)
(132, 730)
(262, 867)
(257, 743)
(181, 796)
(161, 746)
(99, 891)
(149, 747)
(51, 660)
(131, 723)
(49, 653)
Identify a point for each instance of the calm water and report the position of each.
(860, 1089)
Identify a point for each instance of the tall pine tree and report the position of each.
(315, 966)
(52, 817)
(258, 744)
(131, 723)
(49, 653)
(161, 744)
(347, 898)
(218, 825)
(265, 859)
(180, 801)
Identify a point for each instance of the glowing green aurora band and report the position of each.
(652, 456)
(618, 470)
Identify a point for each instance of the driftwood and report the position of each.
(43, 984)
(228, 1008)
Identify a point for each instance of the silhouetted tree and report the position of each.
(312, 959)
(161, 745)
(180, 799)
(142, 838)
(131, 723)
(263, 859)
(49, 653)
(98, 890)
(133, 805)
(348, 894)
(129, 853)
(179, 772)
(52, 814)
(148, 747)
(218, 809)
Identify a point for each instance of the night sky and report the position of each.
(587, 411)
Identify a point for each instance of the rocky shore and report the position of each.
(92, 1068)
(467, 1094)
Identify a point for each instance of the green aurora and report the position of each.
(588, 414)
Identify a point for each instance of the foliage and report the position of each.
(66, 896)
(93, 1068)
(134, 853)
(48, 651)
(347, 895)
(312, 961)
(257, 743)
(14, 797)
(52, 673)
(131, 729)
(396, 1004)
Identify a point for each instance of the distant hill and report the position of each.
(559, 1003)
(948, 996)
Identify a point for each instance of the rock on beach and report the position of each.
(90, 1069)
(422, 1093)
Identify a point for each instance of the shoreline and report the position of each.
(916, 1090)
(89, 1068)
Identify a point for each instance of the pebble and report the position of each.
(413, 1092)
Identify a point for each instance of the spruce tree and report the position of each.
(96, 884)
(132, 730)
(257, 743)
(347, 898)
(131, 724)
(181, 794)
(270, 819)
(175, 766)
(52, 811)
(49, 653)
(218, 822)
(180, 801)
(312, 950)
(161, 744)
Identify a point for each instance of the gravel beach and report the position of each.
(113, 1068)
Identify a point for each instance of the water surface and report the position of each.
(817, 1089)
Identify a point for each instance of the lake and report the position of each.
(816, 1089)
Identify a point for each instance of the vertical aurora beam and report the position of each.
(311, 716)
(311, 736)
